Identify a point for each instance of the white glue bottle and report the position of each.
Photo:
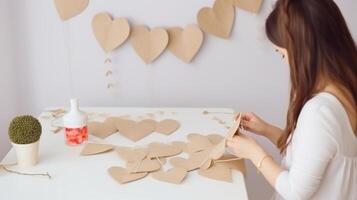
(75, 125)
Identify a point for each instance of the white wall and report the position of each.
(244, 72)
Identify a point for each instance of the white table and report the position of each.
(86, 177)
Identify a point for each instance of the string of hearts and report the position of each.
(148, 43)
(206, 154)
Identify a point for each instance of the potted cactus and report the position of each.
(24, 133)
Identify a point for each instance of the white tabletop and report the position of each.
(86, 177)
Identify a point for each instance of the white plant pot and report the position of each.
(27, 154)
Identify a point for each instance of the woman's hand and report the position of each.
(245, 147)
(253, 123)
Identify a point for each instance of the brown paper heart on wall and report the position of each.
(91, 149)
(70, 8)
(135, 131)
(122, 176)
(218, 20)
(185, 43)
(167, 126)
(248, 5)
(174, 175)
(110, 33)
(149, 44)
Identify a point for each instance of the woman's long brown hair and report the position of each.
(319, 46)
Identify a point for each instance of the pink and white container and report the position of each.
(75, 125)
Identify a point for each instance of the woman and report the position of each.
(319, 142)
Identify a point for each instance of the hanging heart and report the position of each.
(248, 5)
(149, 44)
(218, 20)
(70, 8)
(185, 43)
(110, 33)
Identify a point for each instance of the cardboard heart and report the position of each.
(110, 33)
(163, 150)
(215, 138)
(248, 5)
(197, 142)
(130, 154)
(146, 165)
(217, 172)
(167, 126)
(149, 44)
(218, 20)
(181, 145)
(235, 127)
(135, 131)
(102, 129)
(218, 150)
(195, 161)
(185, 44)
(231, 162)
(174, 175)
(70, 8)
(91, 149)
(122, 176)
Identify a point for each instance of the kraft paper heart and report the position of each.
(122, 176)
(181, 145)
(232, 162)
(135, 131)
(163, 150)
(110, 33)
(218, 150)
(91, 149)
(185, 44)
(235, 128)
(195, 161)
(167, 126)
(215, 138)
(146, 165)
(217, 172)
(197, 143)
(218, 20)
(70, 8)
(174, 175)
(132, 155)
(102, 129)
(149, 44)
(248, 5)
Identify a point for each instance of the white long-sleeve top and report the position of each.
(321, 160)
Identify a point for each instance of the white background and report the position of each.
(244, 73)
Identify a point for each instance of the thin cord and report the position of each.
(22, 173)
(67, 42)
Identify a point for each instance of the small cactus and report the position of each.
(24, 130)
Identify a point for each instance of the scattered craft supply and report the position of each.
(197, 142)
(110, 33)
(181, 145)
(174, 175)
(102, 129)
(146, 165)
(132, 155)
(217, 172)
(149, 44)
(163, 150)
(215, 138)
(92, 148)
(185, 43)
(5, 167)
(218, 20)
(135, 131)
(167, 126)
(70, 8)
(235, 128)
(122, 176)
(248, 5)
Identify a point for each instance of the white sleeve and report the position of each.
(312, 148)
